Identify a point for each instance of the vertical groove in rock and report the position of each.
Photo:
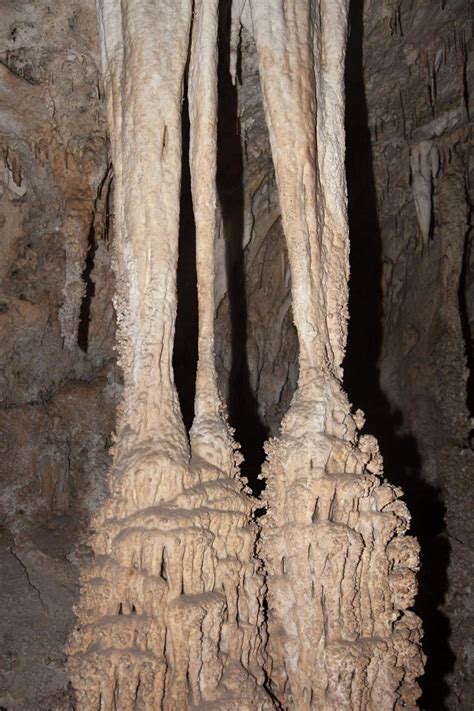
(170, 611)
(341, 572)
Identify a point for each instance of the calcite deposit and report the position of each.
(171, 609)
(340, 572)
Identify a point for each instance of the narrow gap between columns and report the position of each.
(250, 432)
(185, 352)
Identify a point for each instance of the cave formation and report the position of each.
(171, 610)
(205, 520)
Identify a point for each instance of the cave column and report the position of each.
(340, 571)
(214, 464)
(144, 54)
(170, 614)
(210, 436)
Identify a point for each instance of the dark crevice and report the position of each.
(250, 432)
(108, 206)
(185, 352)
(402, 457)
(85, 312)
(465, 85)
(100, 216)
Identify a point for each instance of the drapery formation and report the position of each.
(171, 611)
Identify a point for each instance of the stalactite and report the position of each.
(424, 164)
(340, 571)
(170, 613)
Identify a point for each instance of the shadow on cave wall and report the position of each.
(403, 463)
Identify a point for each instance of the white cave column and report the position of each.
(145, 47)
(340, 572)
(210, 436)
(118, 655)
(170, 614)
(214, 475)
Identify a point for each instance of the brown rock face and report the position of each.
(59, 383)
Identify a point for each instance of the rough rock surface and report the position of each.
(409, 132)
(59, 381)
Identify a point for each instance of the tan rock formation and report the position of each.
(170, 614)
(340, 572)
(171, 608)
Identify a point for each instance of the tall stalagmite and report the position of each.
(340, 572)
(170, 612)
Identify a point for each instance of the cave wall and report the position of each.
(409, 131)
(59, 381)
(409, 107)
